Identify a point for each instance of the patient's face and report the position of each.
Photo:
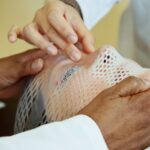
(63, 88)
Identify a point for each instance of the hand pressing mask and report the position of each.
(63, 88)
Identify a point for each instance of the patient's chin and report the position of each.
(63, 88)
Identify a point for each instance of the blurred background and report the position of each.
(21, 12)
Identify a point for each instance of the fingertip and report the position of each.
(88, 46)
(75, 56)
(52, 50)
(72, 38)
(37, 65)
(12, 38)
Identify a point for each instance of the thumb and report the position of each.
(131, 86)
(33, 67)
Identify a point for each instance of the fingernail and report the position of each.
(73, 39)
(12, 38)
(52, 50)
(37, 64)
(75, 55)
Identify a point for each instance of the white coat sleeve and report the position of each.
(94, 10)
(77, 133)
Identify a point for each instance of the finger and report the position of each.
(14, 33)
(32, 67)
(84, 36)
(69, 49)
(32, 34)
(27, 68)
(12, 91)
(29, 55)
(28, 63)
(60, 24)
(88, 44)
(131, 86)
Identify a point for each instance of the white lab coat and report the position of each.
(77, 133)
(94, 10)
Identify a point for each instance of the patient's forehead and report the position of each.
(59, 68)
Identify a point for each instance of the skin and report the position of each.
(14, 69)
(122, 113)
(56, 27)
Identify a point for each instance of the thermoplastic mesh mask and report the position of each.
(63, 88)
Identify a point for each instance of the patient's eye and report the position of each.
(69, 73)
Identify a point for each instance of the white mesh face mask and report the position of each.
(63, 88)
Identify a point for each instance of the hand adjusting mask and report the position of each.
(63, 88)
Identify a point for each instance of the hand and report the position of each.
(13, 69)
(123, 114)
(60, 24)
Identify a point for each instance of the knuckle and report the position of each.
(41, 44)
(27, 28)
(134, 80)
(68, 47)
(51, 32)
(52, 15)
(64, 29)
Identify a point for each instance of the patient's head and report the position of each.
(63, 88)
